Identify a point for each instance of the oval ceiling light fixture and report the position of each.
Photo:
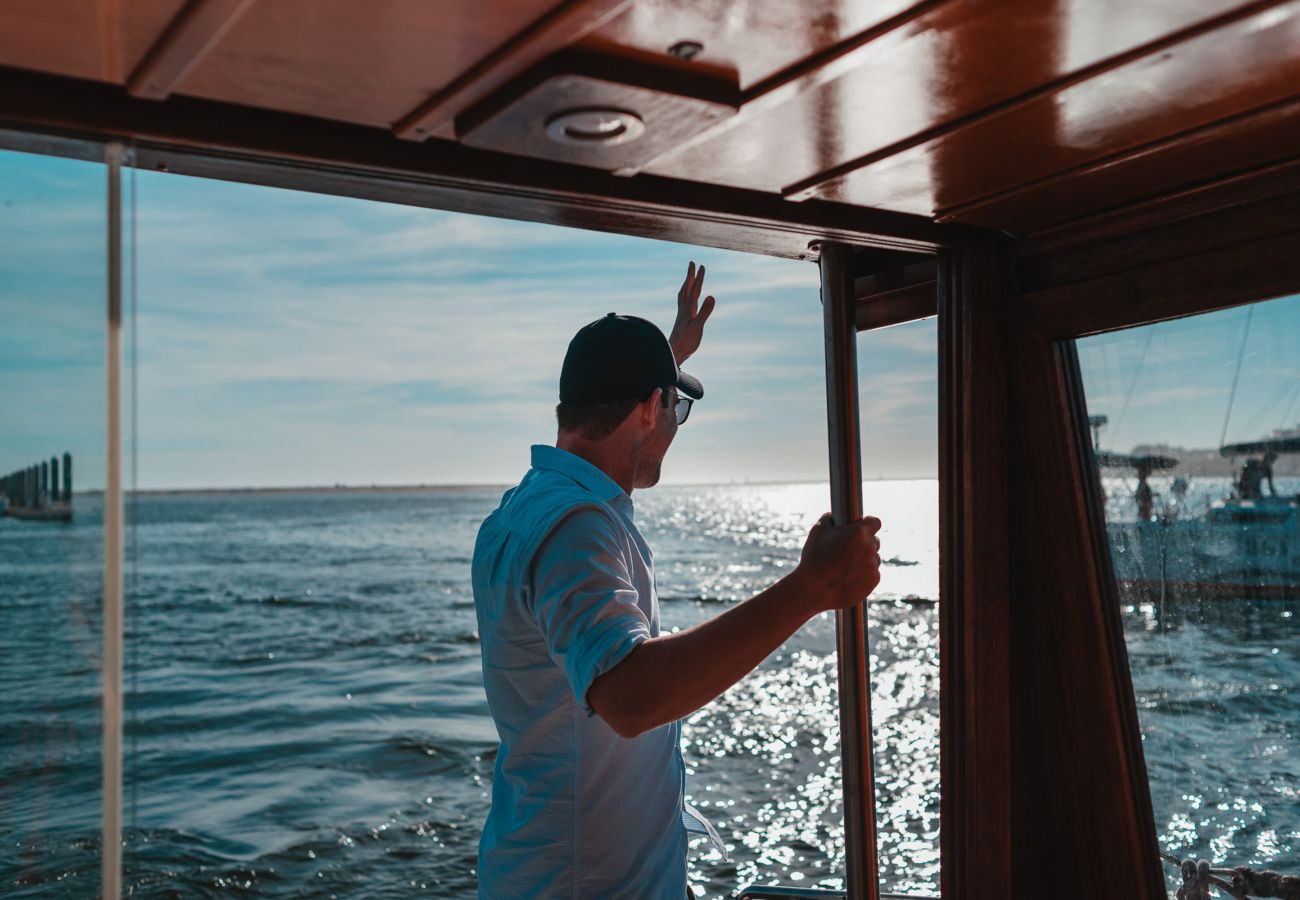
(587, 127)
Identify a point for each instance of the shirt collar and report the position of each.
(577, 468)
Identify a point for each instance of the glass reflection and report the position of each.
(1196, 430)
(52, 337)
(898, 379)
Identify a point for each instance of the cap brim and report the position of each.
(689, 385)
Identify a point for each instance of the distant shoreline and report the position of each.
(326, 489)
(432, 488)
(470, 488)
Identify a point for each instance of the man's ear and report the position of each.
(649, 410)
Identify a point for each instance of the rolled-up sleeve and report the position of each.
(583, 598)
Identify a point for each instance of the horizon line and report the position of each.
(456, 486)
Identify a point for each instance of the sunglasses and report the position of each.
(682, 407)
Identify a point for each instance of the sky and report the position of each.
(1177, 382)
(290, 339)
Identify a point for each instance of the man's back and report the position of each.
(564, 590)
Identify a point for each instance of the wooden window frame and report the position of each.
(1044, 787)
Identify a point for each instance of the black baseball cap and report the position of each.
(621, 358)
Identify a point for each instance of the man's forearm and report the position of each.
(671, 676)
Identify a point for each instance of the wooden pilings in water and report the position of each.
(35, 492)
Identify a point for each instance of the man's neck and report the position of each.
(609, 456)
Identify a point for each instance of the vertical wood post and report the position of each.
(838, 315)
(974, 584)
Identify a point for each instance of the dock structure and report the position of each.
(35, 492)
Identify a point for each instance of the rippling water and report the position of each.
(1219, 705)
(306, 718)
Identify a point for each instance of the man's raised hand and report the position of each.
(691, 315)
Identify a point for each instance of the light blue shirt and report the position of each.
(564, 589)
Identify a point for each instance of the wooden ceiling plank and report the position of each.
(752, 40)
(817, 184)
(187, 39)
(110, 37)
(1201, 135)
(566, 24)
(806, 75)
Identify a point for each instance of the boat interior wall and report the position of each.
(1014, 115)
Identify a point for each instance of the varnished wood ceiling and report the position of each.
(1010, 114)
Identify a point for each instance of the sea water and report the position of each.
(305, 712)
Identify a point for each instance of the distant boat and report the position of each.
(1246, 546)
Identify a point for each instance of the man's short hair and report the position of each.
(594, 421)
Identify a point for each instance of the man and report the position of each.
(1144, 495)
(1253, 475)
(587, 694)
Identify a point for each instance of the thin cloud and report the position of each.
(293, 339)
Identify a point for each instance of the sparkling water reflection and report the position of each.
(307, 717)
(765, 756)
(1215, 684)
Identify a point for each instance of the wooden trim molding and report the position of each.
(906, 293)
(1248, 187)
(1253, 211)
(1215, 279)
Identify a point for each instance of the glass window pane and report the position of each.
(898, 380)
(52, 339)
(1196, 426)
(306, 703)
